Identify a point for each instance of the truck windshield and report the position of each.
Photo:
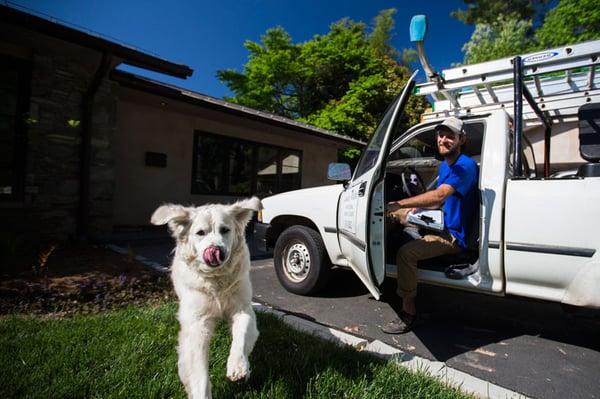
(369, 156)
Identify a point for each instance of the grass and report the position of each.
(130, 353)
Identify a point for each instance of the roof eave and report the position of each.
(128, 55)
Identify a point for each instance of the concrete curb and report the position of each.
(143, 260)
(448, 375)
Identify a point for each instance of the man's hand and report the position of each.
(392, 207)
(395, 212)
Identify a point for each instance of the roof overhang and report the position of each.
(129, 55)
(169, 91)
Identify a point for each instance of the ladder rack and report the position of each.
(560, 80)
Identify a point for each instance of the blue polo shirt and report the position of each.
(459, 208)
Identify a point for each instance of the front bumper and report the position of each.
(260, 235)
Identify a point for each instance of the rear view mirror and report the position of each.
(339, 172)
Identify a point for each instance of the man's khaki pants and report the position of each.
(430, 245)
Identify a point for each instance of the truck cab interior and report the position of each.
(412, 169)
(589, 140)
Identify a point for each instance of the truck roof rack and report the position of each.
(560, 80)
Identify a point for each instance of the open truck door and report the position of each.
(361, 210)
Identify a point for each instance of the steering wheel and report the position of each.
(412, 184)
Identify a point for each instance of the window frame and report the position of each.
(19, 165)
(228, 141)
(429, 127)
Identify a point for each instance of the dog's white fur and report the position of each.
(209, 293)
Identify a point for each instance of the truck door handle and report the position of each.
(361, 189)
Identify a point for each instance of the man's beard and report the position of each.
(448, 152)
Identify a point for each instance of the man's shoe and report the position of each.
(400, 325)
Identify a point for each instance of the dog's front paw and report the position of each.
(238, 368)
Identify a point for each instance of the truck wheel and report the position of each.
(301, 261)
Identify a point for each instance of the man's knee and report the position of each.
(409, 252)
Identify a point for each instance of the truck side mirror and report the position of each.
(339, 172)
(418, 28)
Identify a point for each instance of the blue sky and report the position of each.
(209, 35)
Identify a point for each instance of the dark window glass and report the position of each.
(290, 170)
(240, 167)
(371, 153)
(424, 145)
(226, 165)
(474, 139)
(14, 98)
(210, 165)
(266, 174)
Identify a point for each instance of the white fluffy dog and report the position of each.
(211, 276)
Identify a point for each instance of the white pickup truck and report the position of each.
(537, 234)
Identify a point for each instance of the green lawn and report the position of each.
(130, 353)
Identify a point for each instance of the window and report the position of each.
(230, 166)
(14, 99)
(370, 154)
(420, 152)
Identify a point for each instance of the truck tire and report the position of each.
(301, 261)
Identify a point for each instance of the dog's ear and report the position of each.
(242, 210)
(177, 216)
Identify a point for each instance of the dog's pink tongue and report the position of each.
(212, 256)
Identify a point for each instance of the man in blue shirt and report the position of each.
(457, 193)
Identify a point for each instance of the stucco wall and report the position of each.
(143, 124)
(564, 146)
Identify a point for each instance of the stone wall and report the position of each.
(49, 210)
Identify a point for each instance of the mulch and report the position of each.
(72, 278)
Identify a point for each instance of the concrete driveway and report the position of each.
(531, 347)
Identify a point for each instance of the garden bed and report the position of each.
(73, 278)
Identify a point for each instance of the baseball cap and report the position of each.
(452, 123)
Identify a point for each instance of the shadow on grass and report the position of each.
(288, 364)
(291, 364)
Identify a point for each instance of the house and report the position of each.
(88, 149)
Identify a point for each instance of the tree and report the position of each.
(342, 81)
(570, 22)
(269, 76)
(505, 37)
(487, 11)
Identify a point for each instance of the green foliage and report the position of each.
(487, 11)
(571, 21)
(349, 156)
(73, 123)
(505, 37)
(269, 74)
(341, 81)
(381, 35)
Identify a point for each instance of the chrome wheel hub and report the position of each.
(296, 262)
